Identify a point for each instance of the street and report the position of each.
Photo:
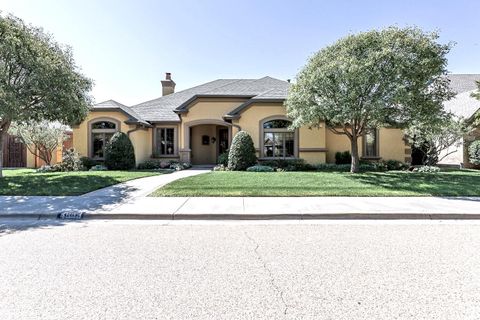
(54, 269)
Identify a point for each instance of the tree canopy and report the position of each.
(372, 79)
(39, 79)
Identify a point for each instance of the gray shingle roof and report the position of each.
(114, 105)
(463, 104)
(162, 109)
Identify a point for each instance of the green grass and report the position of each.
(27, 182)
(392, 183)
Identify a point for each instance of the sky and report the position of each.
(127, 46)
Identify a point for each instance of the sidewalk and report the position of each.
(178, 208)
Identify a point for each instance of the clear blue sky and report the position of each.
(127, 46)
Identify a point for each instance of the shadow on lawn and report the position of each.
(462, 184)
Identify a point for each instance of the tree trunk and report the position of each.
(355, 167)
(4, 125)
(2, 138)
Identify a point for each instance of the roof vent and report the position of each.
(168, 85)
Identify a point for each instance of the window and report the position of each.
(101, 133)
(165, 142)
(278, 141)
(370, 144)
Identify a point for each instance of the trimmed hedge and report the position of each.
(119, 153)
(242, 152)
(259, 168)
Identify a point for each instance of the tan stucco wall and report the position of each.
(141, 139)
(391, 144)
(207, 109)
(251, 117)
(203, 154)
(142, 144)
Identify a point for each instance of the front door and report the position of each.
(222, 141)
(14, 153)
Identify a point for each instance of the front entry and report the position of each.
(207, 142)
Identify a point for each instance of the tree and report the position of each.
(119, 153)
(476, 94)
(42, 138)
(242, 152)
(38, 79)
(435, 138)
(372, 79)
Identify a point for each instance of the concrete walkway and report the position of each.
(102, 200)
(176, 208)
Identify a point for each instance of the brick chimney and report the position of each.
(168, 85)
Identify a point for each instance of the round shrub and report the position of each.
(259, 168)
(474, 152)
(242, 152)
(119, 153)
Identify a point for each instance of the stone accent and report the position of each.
(185, 155)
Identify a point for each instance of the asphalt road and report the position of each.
(327, 270)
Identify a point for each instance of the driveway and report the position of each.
(290, 270)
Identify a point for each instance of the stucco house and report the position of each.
(196, 125)
(467, 107)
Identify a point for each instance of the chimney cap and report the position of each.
(168, 76)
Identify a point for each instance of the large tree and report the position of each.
(38, 79)
(372, 79)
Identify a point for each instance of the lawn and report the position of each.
(392, 183)
(22, 182)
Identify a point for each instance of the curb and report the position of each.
(236, 216)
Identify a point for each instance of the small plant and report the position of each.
(47, 168)
(98, 167)
(242, 152)
(474, 152)
(332, 167)
(71, 161)
(220, 167)
(223, 159)
(427, 169)
(87, 162)
(260, 168)
(395, 165)
(119, 153)
(343, 157)
(288, 164)
(179, 166)
(149, 165)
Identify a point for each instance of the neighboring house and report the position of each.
(197, 124)
(465, 106)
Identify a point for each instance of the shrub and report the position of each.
(395, 165)
(119, 153)
(178, 166)
(223, 159)
(260, 168)
(474, 152)
(46, 168)
(332, 167)
(71, 161)
(98, 167)
(242, 152)
(288, 164)
(220, 167)
(149, 165)
(343, 157)
(87, 162)
(427, 169)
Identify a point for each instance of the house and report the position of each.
(465, 106)
(196, 125)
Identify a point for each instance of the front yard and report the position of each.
(392, 183)
(23, 182)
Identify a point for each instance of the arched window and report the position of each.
(277, 140)
(101, 132)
